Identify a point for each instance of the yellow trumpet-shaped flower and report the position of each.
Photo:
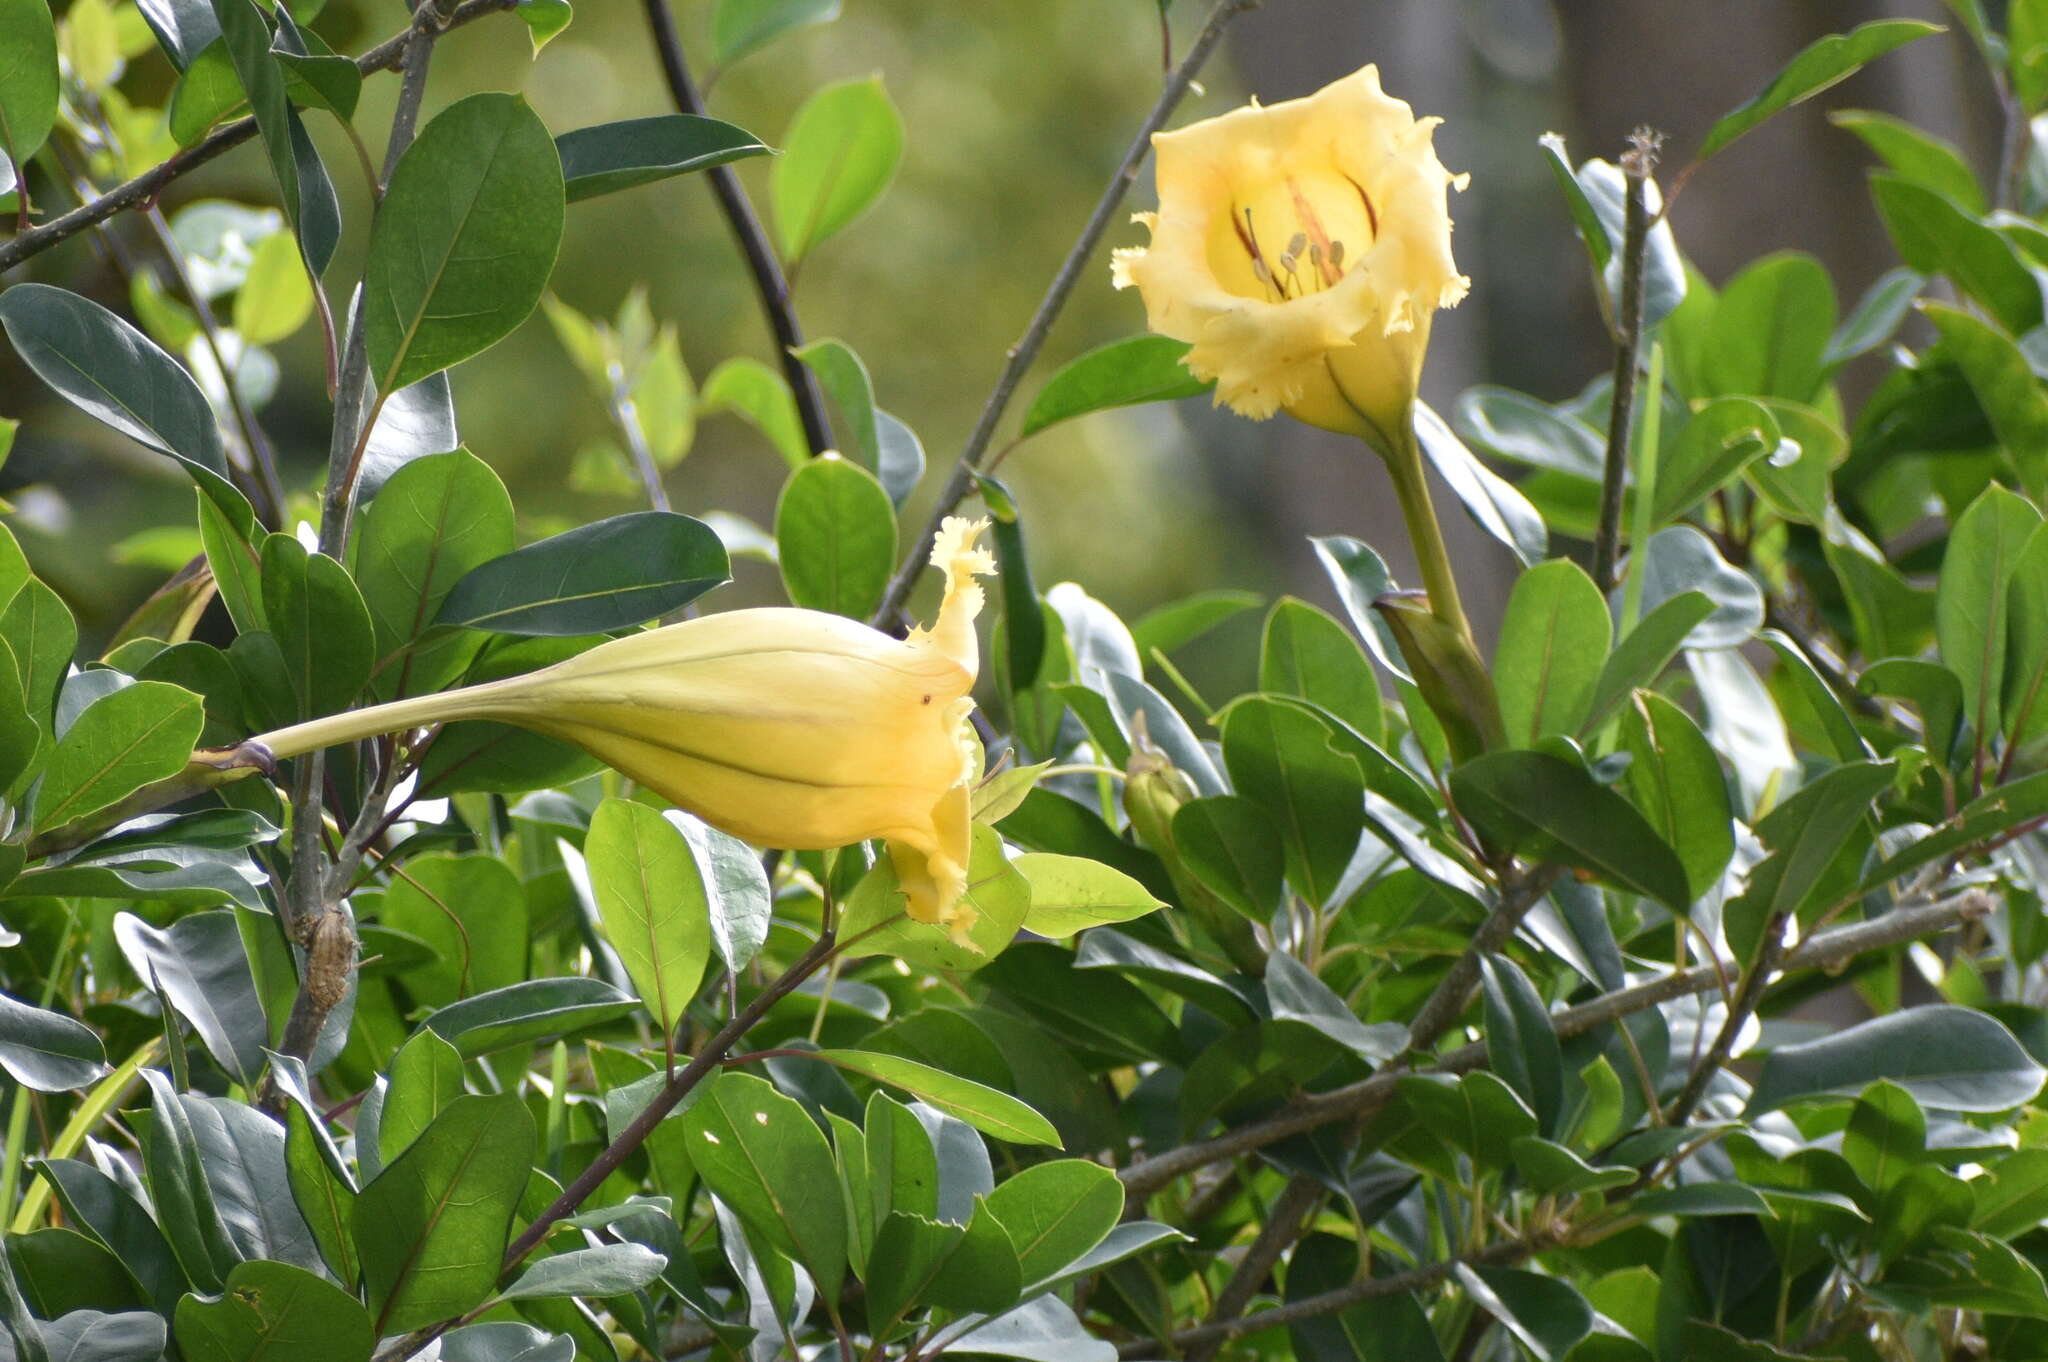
(1301, 248)
(786, 728)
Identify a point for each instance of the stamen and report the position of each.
(1336, 255)
(1297, 243)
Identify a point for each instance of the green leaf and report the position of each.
(1056, 1212)
(1886, 1136)
(435, 520)
(527, 1013)
(112, 373)
(425, 1077)
(1915, 154)
(1771, 329)
(545, 20)
(996, 890)
(612, 156)
(1970, 599)
(1070, 894)
(1944, 1056)
(838, 156)
(277, 297)
(1831, 59)
(1721, 440)
(1875, 318)
(322, 1189)
(1675, 779)
(2005, 384)
(200, 964)
(1285, 761)
(852, 392)
(751, 389)
(1547, 1315)
(1799, 673)
(1120, 374)
(835, 535)
(28, 79)
(465, 240)
(1231, 847)
(274, 1312)
(1516, 427)
(1306, 653)
(1172, 626)
(1477, 1113)
(991, 1112)
(207, 92)
(432, 1227)
(471, 910)
(2025, 679)
(651, 899)
(48, 1051)
(1494, 503)
(610, 574)
(739, 27)
(1521, 1045)
(917, 1261)
(246, 38)
(1539, 805)
(1681, 559)
(122, 742)
(179, 1192)
(1934, 236)
(320, 623)
(606, 1270)
(1553, 645)
(1294, 993)
(1389, 1326)
(764, 1157)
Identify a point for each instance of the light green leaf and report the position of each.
(1831, 59)
(651, 901)
(991, 1112)
(838, 156)
(1071, 894)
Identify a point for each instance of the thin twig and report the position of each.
(1365, 1097)
(1636, 164)
(1026, 349)
(1289, 1216)
(1454, 991)
(635, 1134)
(769, 281)
(145, 188)
(1344, 1297)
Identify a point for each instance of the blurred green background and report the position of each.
(1016, 112)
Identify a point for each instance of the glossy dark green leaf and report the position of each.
(1539, 805)
(274, 1312)
(432, 1226)
(506, 1342)
(111, 1214)
(845, 379)
(180, 1192)
(1294, 993)
(1284, 760)
(123, 741)
(1547, 1315)
(1876, 317)
(1831, 59)
(112, 372)
(739, 27)
(28, 79)
(472, 911)
(183, 28)
(1944, 1056)
(1598, 191)
(1515, 426)
(1675, 779)
(1056, 1212)
(528, 1013)
(764, 1157)
(465, 239)
(1477, 1113)
(96, 1336)
(835, 534)
(46, 1050)
(1521, 1046)
(1361, 577)
(651, 900)
(612, 156)
(417, 421)
(839, 154)
(1681, 559)
(425, 1077)
(322, 1189)
(610, 574)
(321, 625)
(1553, 645)
(246, 38)
(1390, 1326)
(1120, 374)
(1935, 236)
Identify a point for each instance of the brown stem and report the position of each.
(769, 280)
(1284, 1223)
(1448, 1002)
(145, 188)
(1026, 349)
(1636, 165)
(1367, 1096)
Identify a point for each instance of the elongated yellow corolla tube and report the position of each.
(784, 727)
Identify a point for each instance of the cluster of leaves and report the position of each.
(1420, 1060)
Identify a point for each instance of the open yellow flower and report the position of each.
(786, 728)
(1301, 248)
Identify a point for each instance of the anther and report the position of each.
(1297, 243)
(1336, 255)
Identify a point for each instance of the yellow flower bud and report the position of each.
(786, 728)
(1301, 248)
